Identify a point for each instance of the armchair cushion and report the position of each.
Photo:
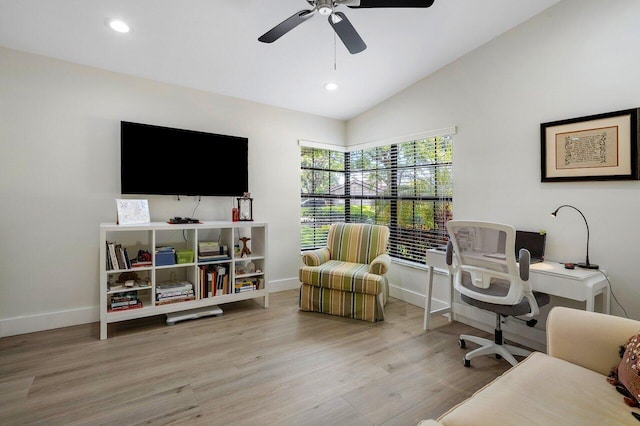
(338, 275)
(357, 242)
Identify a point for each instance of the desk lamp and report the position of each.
(586, 263)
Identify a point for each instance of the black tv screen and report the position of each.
(158, 160)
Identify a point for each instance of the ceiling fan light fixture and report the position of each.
(331, 86)
(325, 7)
(118, 25)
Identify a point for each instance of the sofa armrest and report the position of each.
(588, 339)
(316, 257)
(380, 265)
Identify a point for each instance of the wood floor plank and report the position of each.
(274, 366)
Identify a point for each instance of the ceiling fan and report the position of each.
(338, 20)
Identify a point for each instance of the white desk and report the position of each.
(547, 277)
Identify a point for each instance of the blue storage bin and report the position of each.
(165, 258)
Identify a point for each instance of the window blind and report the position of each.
(407, 186)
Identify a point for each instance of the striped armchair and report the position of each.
(348, 277)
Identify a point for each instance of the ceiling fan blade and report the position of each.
(347, 33)
(389, 3)
(285, 26)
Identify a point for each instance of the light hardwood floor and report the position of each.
(275, 366)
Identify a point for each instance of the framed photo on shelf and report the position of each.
(595, 147)
(132, 212)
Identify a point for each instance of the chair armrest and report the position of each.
(588, 339)
(316, 257)
(380, 265)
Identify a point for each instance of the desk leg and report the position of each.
(427, 302)
(606, 299)
(451, 294)
(591, 299)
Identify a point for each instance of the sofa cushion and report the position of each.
(345, 276)
(529, 394)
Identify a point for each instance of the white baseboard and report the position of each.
(48, 321)
(414, 298)
(285, 284)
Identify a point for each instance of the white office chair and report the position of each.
(482, 261)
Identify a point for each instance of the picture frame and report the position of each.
(594, 147)
(132, 212)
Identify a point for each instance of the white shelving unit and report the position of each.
(181, 237)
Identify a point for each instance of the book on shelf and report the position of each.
(124, 308)
(209, 250)
(247, 284)
(173, 291)
(212, 257)
(170, 286)
(123, 261)
(126, 257)
(140, 263)
(113, 260)
(206, 246)
(125, 300)
(125, 303)
(175, 300)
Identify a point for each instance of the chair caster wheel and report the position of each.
(467, 363)
(462, 343)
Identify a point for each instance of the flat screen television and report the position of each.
(156, 160)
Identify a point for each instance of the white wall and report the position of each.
(60, 176)
(578, 58)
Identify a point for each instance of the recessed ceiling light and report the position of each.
(331, 86)
(118, 25)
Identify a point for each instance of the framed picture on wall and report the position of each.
(595, 147)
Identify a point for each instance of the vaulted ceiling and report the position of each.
(212, 45)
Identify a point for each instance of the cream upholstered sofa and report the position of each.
(347, 277)
(567, 386)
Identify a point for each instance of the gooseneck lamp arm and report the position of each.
(586, 264)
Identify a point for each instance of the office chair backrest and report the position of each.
(481, 255)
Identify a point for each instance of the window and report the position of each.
(322, 194)
(406, 186)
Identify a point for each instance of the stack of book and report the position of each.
(172, 292)
(124, 301)
(212, 250)
(248, 284)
